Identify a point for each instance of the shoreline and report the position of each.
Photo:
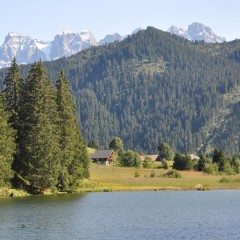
(108, 179)
(21, 193)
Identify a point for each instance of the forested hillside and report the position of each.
(154, 87)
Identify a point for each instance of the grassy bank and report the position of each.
(108, 178)
(105, 178)
(9, 192)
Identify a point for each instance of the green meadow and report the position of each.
(110, 178)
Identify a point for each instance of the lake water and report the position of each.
(123, 215)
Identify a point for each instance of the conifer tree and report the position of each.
(40, 138)
(12, 95)
(7, 146)
(74, 158)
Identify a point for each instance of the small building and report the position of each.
(193, 156)
(154, 158)
(102, 157)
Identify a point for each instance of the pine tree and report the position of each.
(39, 137)
(74, 158)
(7, 146)
(12, 93)
(12, 96)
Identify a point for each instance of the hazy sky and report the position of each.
(43, 19)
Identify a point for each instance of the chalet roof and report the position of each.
(101, 154)
(153, 157)
(193, 156)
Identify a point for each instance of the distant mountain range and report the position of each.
(28, 50)
(197, 31)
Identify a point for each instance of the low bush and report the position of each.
(165, 164)
(211, 168)
(172, 174)
(136, 174)
(224, 180)
(153, 174)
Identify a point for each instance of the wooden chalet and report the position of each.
(152, 157)
(102, 157)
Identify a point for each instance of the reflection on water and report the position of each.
(123, 215)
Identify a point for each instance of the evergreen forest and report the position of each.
(151, 87)
(41, 145)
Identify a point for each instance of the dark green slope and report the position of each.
(153, 87)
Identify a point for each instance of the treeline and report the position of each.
(218, 163)
(41, 145)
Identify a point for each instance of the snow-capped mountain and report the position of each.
(179, 32)
(197, 31)
(67, 43)
(28, 50)
(23, 48)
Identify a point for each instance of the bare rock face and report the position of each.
(23, 48)
(28, 50)
(197, 32)
(201, 32)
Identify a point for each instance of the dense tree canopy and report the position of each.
(39, 147)
(12, 103)
(154, 86)
(7, 146)
(74, 159)
(51, 150)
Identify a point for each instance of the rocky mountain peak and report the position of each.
(179, 32)
(69, 42)
(200, 32)
(110, 38)
(197, 32)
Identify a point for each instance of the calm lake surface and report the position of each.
(123, 215)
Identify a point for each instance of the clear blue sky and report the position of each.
(43, 19)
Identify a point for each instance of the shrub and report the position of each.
(153, 174)
(136, 174)
(172, 174)
(147, 163)
(164, 164)
(129, 159)
(228, 169)
(211, 168)
(224, 180)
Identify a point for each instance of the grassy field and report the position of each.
(108, 178)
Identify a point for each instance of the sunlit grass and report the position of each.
(7, 192)
(117, 178)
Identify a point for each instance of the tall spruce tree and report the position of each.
(74, 157)
(7, 146)
(40, 135)
(12, 95)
